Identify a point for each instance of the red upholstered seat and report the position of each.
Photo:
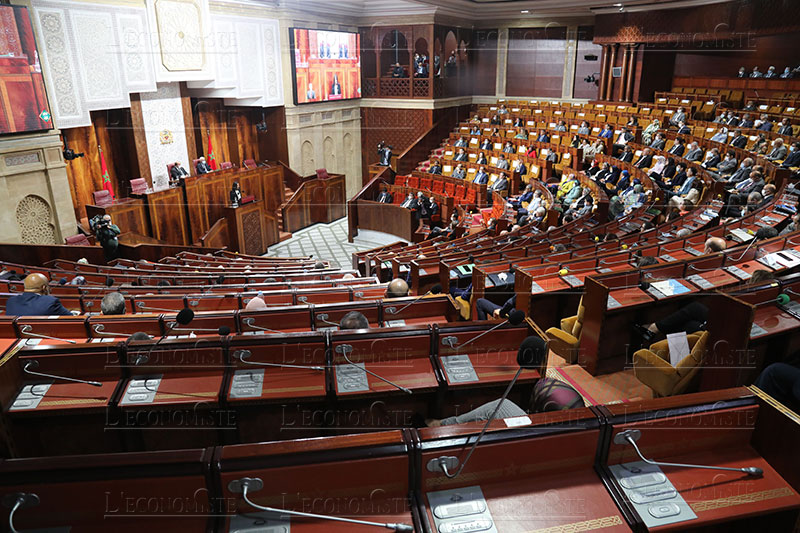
(471, 197)
(78, 240)
(426, 183)
(401, 180)
(398, 198)
(226, 165)
(450, 189)
(322, 174)
(248, 163)
(139, 185)
(438, 187)
(194, 166)
(460, 192)
(413, 182)
(102, 198)
(169, 170)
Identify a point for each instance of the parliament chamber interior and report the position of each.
(434, 266)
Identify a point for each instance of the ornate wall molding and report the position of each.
(163, 110)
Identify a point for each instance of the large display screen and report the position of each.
(23, 101)
(326, 65)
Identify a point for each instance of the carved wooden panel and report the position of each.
(253, 235)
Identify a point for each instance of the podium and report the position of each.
(246, 228)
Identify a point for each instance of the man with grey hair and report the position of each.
(113, 303)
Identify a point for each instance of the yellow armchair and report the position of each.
(651, 366)
(566, 340)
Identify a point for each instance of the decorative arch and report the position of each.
(307, 157)
(394, 49)
(34, 218)
(348, 145)
(329, 154)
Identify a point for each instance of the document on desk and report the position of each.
(678, 347)
(670, 287)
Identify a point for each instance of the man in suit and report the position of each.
(778, 152)
(695, 152)
(787, 74)
(793, 157)
(624, 138)
(677, 117)
(607, 133)
(771, 72)
(746, 122)
(177, 172)
(646, 159)
(766, 123)
(678, 148)
(733, 120)
(743, 172)
(410, 202)
(459, 172)
(486, 308)
(543, 137)
(627, 155)
(500, 184)
(311, 95)
(683, 129)
(603, 172)
(756, 73)
(461, 155)
(398, 71)
(519, 167)
(738, 140)
(727, 166)
(712, 159)
(481, 177)
(36, 300)
(461, 143)
(436, 168)
(385, 197)
(508, 148)
(486, 145)
(202, 167)
(502, 163)
(659, 142)
(427, 208)
(786, 128)
(384, 154)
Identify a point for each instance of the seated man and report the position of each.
(486, 145)
(428, 208)
(436, 168)
(354, 320)
(459, 172)
(695, 153)
(623, 139)
(678, 148)
(508, 148)
(410, 202)
(36, 300)
(481, 177)
(502, 162)
(397, 288)
(486, 308)
(712, 158)
(659, 142)
(683, 129)
(793, 157)
(785, 128)
(765, 123)
(500, 185)
(543, 137)
(627, 155)
(746, 122)
(689, 318)
(561, 126)
(607, 132)
(461, 155)
(177, 172)
(778, 151)
(385, 197)
(645, 160)
(202, 167)
(677, 117)
(398, 71)
(113, 303)
(738, 140)
(461, 143)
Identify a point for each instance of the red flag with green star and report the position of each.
(106, 180)
(212, 161)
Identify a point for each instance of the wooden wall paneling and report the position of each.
(111, 151)
(274, 145)
(653, 73)
(199, 223)
(335, 198)
(209, 119)
(536, 61)
(398, 127)
(484, 62)
(79, 171)
(272, 185)
(140, 142)
(129, 215)
(245, 121)
(123, 143)
(188, 126)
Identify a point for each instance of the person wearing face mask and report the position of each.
(793, 157)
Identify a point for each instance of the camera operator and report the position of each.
(384, 154)
(106, 234)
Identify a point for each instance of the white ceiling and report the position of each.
(481, 10)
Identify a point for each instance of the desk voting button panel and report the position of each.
(263, 522)
(461, 510)
(652, 495)
(459, 368)
(247, 383)
(738, 272)
(141, 390)
(30, 396)
(395, 323)
(351, 378)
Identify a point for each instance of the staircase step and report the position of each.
(282, 236)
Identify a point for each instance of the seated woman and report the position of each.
(650, 131)
(522, 135)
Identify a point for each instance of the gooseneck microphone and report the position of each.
(531, 354)
(242, 355)
(344, 349)
(183, 317)
(247, 484)
(17, 501)
(250, 323)
(630, 436)
(515, 318)
(30, 365)
(436, 289)
(323, 317)
(26, 330)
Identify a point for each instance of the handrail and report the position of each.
(426, 142)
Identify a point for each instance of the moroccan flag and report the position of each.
(106, 180)
(212, 161)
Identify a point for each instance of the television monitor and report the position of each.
(326, 65)
(23, 101)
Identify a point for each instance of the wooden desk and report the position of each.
(388, 218)
(246, 228)
(167, 214)
(128, 213)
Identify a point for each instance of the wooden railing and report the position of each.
(315, 200)
(217, 235)
(422, 147)
(368, 192)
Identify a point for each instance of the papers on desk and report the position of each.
(678, 345)
(741, 235)
(782, 259)
(670, 287)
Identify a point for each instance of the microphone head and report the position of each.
(185, 316)
(516, 317)
(532, 353)
(436, 289)
(753, 471)
(109, 281)
(139, 336)
(224, 330)
(782, 299)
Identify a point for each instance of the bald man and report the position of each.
(36, 300)
(714, 245)
(397, 289)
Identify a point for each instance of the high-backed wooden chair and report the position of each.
(652, 367)
(566, 340)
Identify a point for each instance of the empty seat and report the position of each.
(102, 198)
(138, 186)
